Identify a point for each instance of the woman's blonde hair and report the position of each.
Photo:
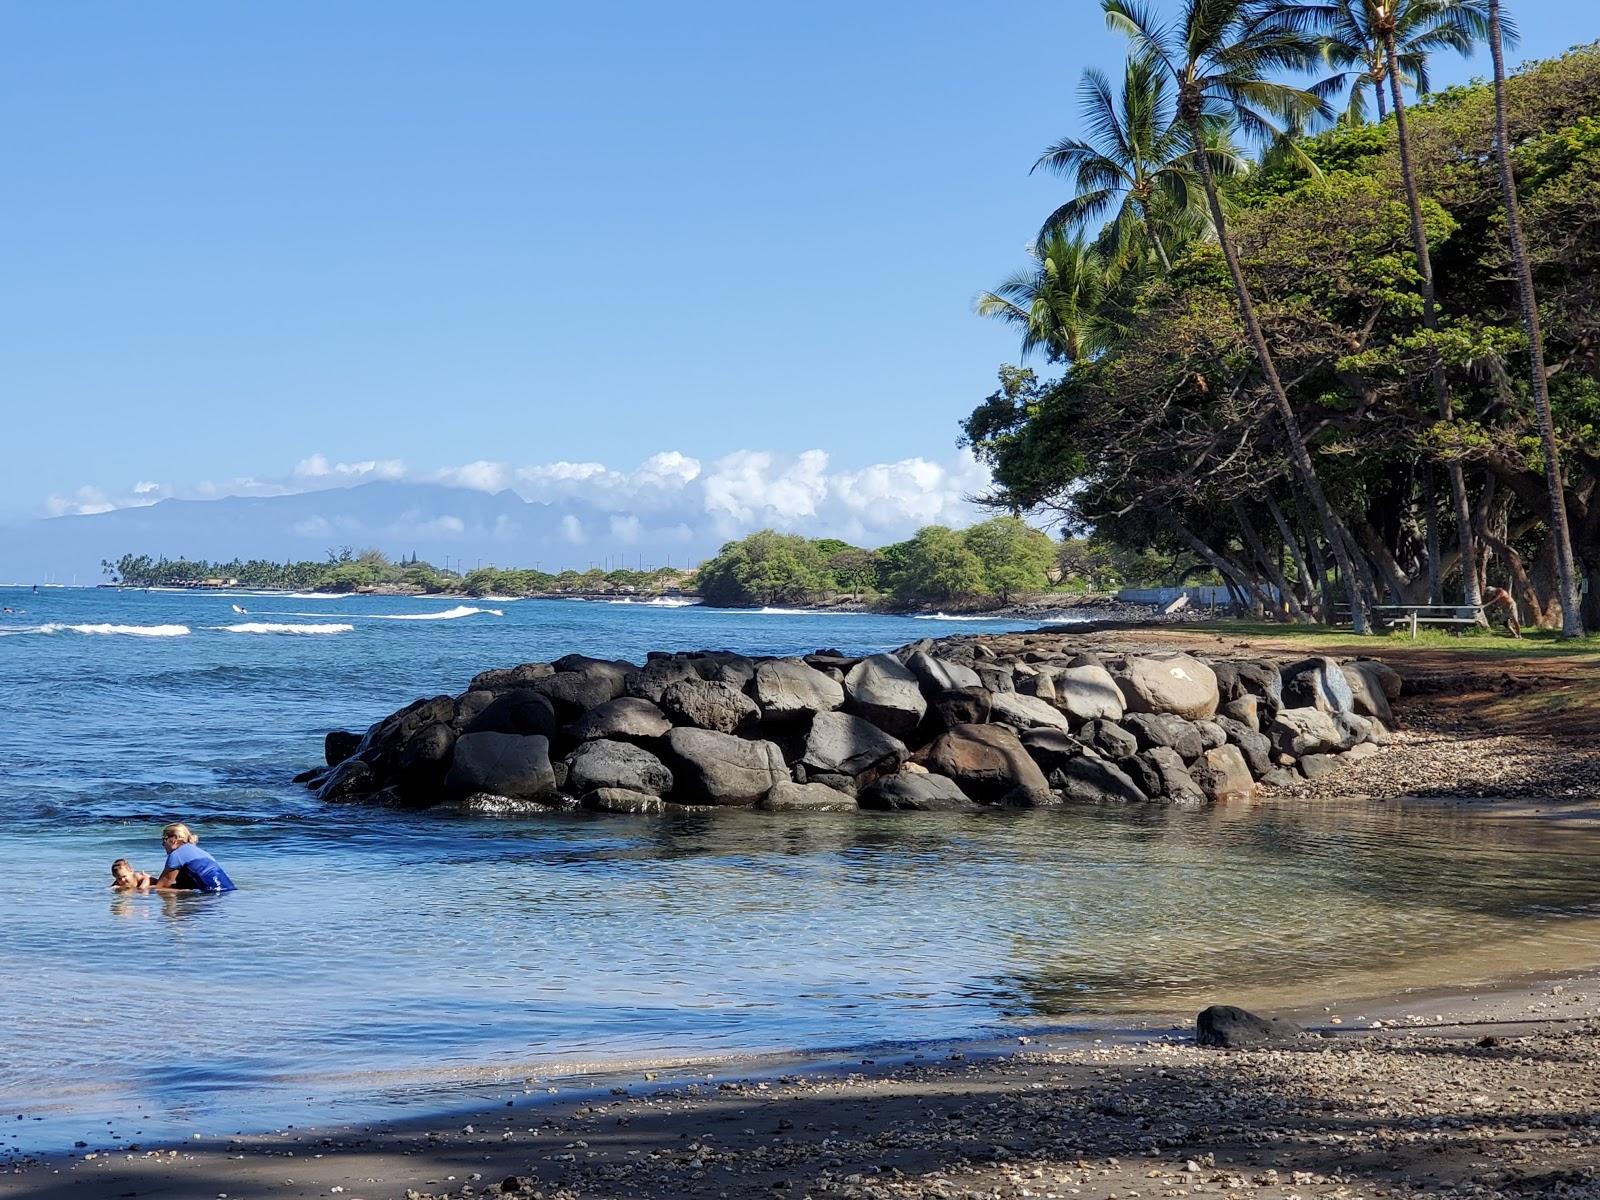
(180, 831)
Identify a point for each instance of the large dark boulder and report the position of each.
(424, 759)
(1021, 711)
(1094, 781)
(1051, 748)
(652, 679)
(840, 744)
(503, 679)
(520, 710)
(915, 791)
(1237, 678)
(1164, 729)
(1177, 785)
(627, 718)
(805, 797)
(881, 690)
(339, 745)
(1255, 747)
(960, 706)
(1301, 731)
(601, 764)
(707, 705)
(1370, 685)
(502, 764)
(1143, 773)
(1229, 1028)
(937, 675)
(1108, 738)
(350, 780)
(787, 689)
(718, 768)
(573, 693)
(1317, 683)
(989, 763)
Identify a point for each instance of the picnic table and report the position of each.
(1414, 615)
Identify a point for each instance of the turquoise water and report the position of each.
(373, 958)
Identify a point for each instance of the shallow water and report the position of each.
(371, 958)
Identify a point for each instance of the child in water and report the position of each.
(125, 879)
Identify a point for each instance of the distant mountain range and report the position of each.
(434, 521)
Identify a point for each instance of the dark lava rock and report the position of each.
(1230, 1028)
(521, 710)
(988, 762)
(840, 744)
(960, 706)
(1095, 781)
(339, 745)
(1110, 739)
(915, 791)
(502, 764)
(1164, 729)
(1317, 683)
(706, 705)
(350, 780)
(627, 718)
(600, 764)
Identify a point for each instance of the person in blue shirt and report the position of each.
(189, 868)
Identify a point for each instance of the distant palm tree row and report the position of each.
(1161, 153)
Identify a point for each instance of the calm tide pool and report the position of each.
(371, 959)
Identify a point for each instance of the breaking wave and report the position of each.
(956, 617)
(449, 614)
(270, 627)
(122, 630)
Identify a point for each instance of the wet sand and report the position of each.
(1489, 1093)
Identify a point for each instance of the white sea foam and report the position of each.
(956, 617)
(314, 595)
(769, 611)
(270, 627)
(124, 630)
(658, 602)
(449, 614)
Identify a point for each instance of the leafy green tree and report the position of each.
(764, 568)
(936, 565)
(854, 570)
(1015, 557)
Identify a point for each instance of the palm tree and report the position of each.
(1571, 615)
(1352, 39)
(1217, 57)
(1056, 303)
(1136, 162)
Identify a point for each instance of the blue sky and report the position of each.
(251, 242)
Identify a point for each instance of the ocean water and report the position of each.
(374, 960)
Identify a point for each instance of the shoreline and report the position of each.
(1100, 1111)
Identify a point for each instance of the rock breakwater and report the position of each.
(951, 725)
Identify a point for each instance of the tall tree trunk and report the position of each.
(1298, 453)
(1571, 617)
(1430, 500)
(1252, 539)
(1430, 321)
(1305, 591)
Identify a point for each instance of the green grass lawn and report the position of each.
(1470, 643)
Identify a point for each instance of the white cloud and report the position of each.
(317, 466)
(669, 499)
